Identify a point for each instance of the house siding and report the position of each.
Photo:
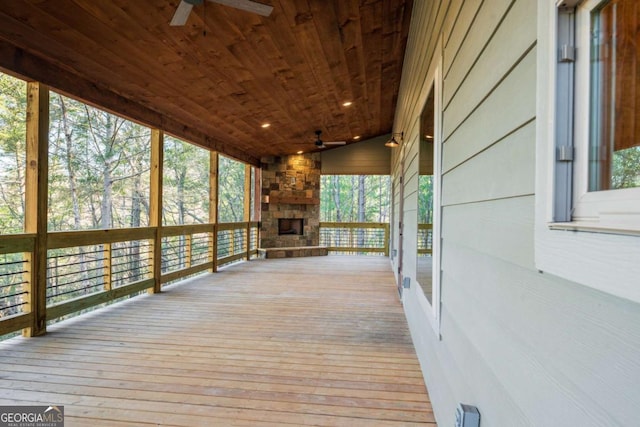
(525, 347)
(369, 157)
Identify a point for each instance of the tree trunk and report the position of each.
(336, 196)
(73, 186)
(182, 176)
(136, 208)
(337, 237)
(107, 180)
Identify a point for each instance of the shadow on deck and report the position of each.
(300, 341)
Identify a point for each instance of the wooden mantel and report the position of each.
(292, 198)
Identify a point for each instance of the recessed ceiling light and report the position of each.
(265, 125)
(429, 136)
(356, 137)
(347, 103)
(300, 152)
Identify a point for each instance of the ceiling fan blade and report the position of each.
(181, 15)
(335, 142)
(247, 5)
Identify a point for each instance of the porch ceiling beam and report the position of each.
(18, 61)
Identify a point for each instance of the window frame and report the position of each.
(434, 79)
(616, 210)
(602, 254)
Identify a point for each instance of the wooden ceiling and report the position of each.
(216, 80)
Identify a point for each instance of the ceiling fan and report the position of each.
(323, 144)
(185, 6)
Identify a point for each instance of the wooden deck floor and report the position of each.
(304, 341)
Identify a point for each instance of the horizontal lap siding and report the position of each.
(508, 107)
(563, 354)
(526, 347)
(369, 157)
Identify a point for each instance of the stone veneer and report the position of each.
(292, 185)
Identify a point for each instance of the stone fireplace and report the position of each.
(290, 205)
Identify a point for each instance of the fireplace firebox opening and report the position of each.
(292, 226)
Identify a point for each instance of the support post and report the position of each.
(386, 239)
(155, 206)
(257, 194)
(36, 192)
(213, 209)
(257, 202)
(247, 207)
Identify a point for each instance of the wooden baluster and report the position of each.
(257, 204)
(106, 267)
(188, 249)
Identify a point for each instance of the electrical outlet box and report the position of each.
(467, 416)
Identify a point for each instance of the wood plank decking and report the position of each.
(299, 341)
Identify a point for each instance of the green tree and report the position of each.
(425, 199)
(231, 190)
(626, 168)
(186, 183)
(13, 104)
(13, 107)
(354, 198)
(95, 161)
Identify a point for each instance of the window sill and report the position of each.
(588, 253)
(595, 227)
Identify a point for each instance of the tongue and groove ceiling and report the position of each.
(217, 79)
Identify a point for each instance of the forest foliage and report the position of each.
(99, 170)
(354, 198)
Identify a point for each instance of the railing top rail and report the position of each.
(14, 243)
(354, 224)
(69, 239)
(232, 225)
(180, 230)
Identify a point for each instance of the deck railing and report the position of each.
(425, 239)
(15, 278)
(15, 281)
(88, 268)
(365, 238)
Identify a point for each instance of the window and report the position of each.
(427, 164)
(614, 111)
(598, 135)
(587, 210)
(426, 157)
